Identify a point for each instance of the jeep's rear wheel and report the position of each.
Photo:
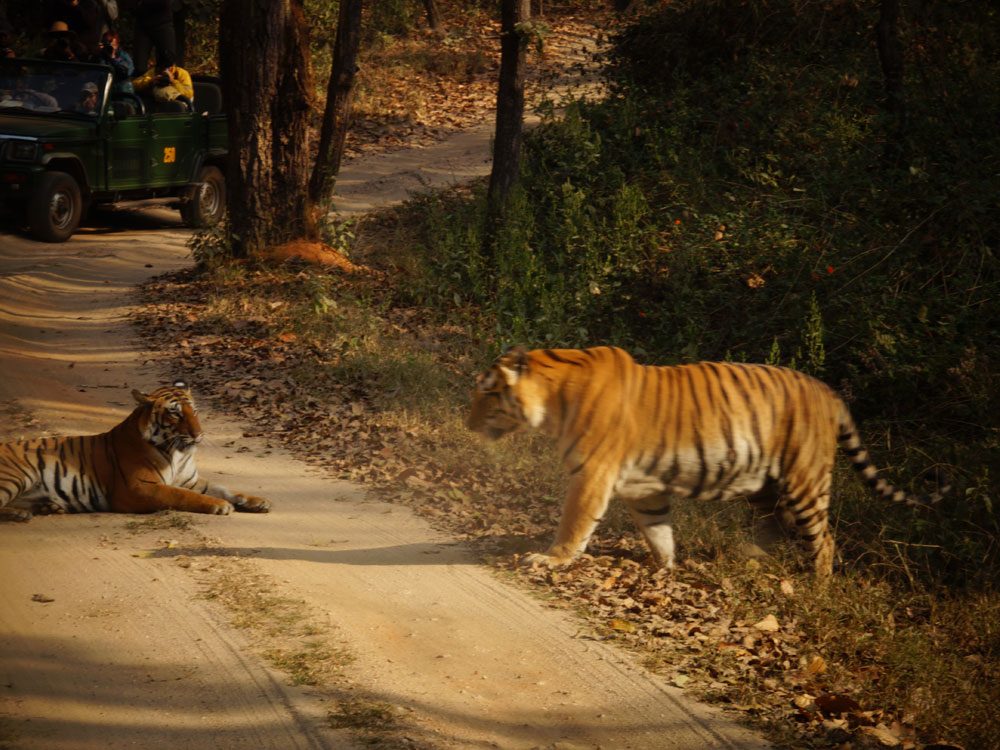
(207, 203)
(55, 208)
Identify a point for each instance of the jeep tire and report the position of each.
(55, 207)
(207, 201)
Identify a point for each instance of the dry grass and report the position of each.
(162, 520)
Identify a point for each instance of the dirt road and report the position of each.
(107, 642)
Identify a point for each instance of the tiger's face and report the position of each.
(171, 418)
(506, 397)
(495, 411)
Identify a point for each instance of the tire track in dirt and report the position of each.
(97, 666)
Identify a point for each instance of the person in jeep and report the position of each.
(16, 91)
(168, 82)
(6, 37)
(63, 45)
(87, 104)
(120, 62)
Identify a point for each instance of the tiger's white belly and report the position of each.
(718, 472)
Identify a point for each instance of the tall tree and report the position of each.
(264, 61)
(514, 14)
(890, 54)
(433, 15)
(274, 193)
(336, 117)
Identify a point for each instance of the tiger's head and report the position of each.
(168, 418)
(507, 396)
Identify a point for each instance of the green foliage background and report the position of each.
(743, 194)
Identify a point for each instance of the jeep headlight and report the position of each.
(20, 151)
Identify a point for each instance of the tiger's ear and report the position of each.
(181, 384)
(513, 363)
(139, 396)
(515, 358)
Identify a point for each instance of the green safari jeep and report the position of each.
(63, 149)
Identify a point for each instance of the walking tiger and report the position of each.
(712, 430)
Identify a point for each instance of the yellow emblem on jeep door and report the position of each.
(169, 155)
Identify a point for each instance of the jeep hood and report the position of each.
(45, 127)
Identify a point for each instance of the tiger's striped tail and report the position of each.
(850, 444)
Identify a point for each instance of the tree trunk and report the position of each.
(890, 53)
(433, 15)
(336, 117)
(180, 34)
(510, 104)
(264, 61)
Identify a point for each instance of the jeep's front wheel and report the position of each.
(55, 207)
(207, 202)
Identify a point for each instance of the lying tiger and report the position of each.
(713, 430)
(142, 465)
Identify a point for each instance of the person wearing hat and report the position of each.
(87, 104)
(85, 18)
(63, 44)
(168, 82)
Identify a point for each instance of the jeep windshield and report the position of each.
(46, 87)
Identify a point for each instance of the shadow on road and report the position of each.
(419, 553)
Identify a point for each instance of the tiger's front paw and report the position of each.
(47, 508)
(539, 560)
(252, 504)
(222, 508)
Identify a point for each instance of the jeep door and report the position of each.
(127, 157)
(171, 148)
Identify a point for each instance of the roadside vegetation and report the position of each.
(741, 193)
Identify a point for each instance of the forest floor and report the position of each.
(335, 621)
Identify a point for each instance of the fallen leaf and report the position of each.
(817, 665)
(768, 625)
(882, 734)
(805, 701)
(42, 598)
(622, 625)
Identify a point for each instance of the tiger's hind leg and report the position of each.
(19, 477)
(652, 516)
(18, 515)
(809, 511)
(29, 509)
(772, 524)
